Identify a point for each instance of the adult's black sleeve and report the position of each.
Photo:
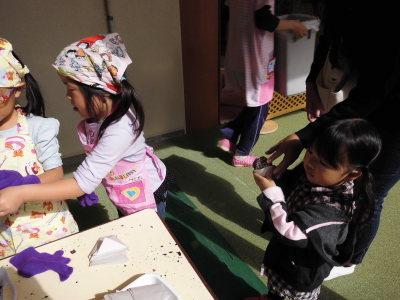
(265, 20)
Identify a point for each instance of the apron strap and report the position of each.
(154, 158)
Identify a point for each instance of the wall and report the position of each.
(150, 29)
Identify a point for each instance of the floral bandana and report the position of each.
(98, 61)
(11, 70)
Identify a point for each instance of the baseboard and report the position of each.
(159, 139)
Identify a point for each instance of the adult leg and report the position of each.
(386, 172)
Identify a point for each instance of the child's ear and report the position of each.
(354, 174)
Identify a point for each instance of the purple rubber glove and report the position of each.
(13, 178)
(30, 262)
(88, 199)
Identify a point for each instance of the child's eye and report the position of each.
(323, 163)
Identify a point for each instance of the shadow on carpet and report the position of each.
(227, 275)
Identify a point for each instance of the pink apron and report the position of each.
(249, 62)
(127, 184)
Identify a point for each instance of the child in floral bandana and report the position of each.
(29, 154)
(111, 133)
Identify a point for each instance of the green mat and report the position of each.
(226, 274)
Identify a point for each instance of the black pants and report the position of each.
(244, 131)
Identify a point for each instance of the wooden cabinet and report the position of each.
(200, 57)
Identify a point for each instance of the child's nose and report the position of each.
(68, 98)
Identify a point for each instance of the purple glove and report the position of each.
(30, 262)
(88, 199)
(13, 178)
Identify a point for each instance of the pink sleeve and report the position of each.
(275, 194)
(286, 229)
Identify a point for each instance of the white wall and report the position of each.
(152, 34)
(151, 30)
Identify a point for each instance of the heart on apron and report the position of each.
(131, 193)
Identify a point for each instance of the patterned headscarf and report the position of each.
(98, 61)
(11, 70)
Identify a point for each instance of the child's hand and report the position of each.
(10, 201)
(263, 182)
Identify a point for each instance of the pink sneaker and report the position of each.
(243, 161)
(226, 145)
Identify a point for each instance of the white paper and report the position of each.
(108, 249)
(154, 284)
(156, 291)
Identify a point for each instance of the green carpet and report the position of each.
(225, 273)
(216, 219)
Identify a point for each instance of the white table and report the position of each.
(152, 249)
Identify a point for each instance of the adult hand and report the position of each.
(298, 29)
(290, 147)
(314, 105)
(263, 182)
(10, 201)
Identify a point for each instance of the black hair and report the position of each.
(35, 103)
(123, 101)
(356, 143)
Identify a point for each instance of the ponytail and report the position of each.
(364, 197)
(35, 103)
(354, 143)
(364, 209)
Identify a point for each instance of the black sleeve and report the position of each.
(376, 62)
(320, 54)
(265, 20)
(323, 44)
(375, 73)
